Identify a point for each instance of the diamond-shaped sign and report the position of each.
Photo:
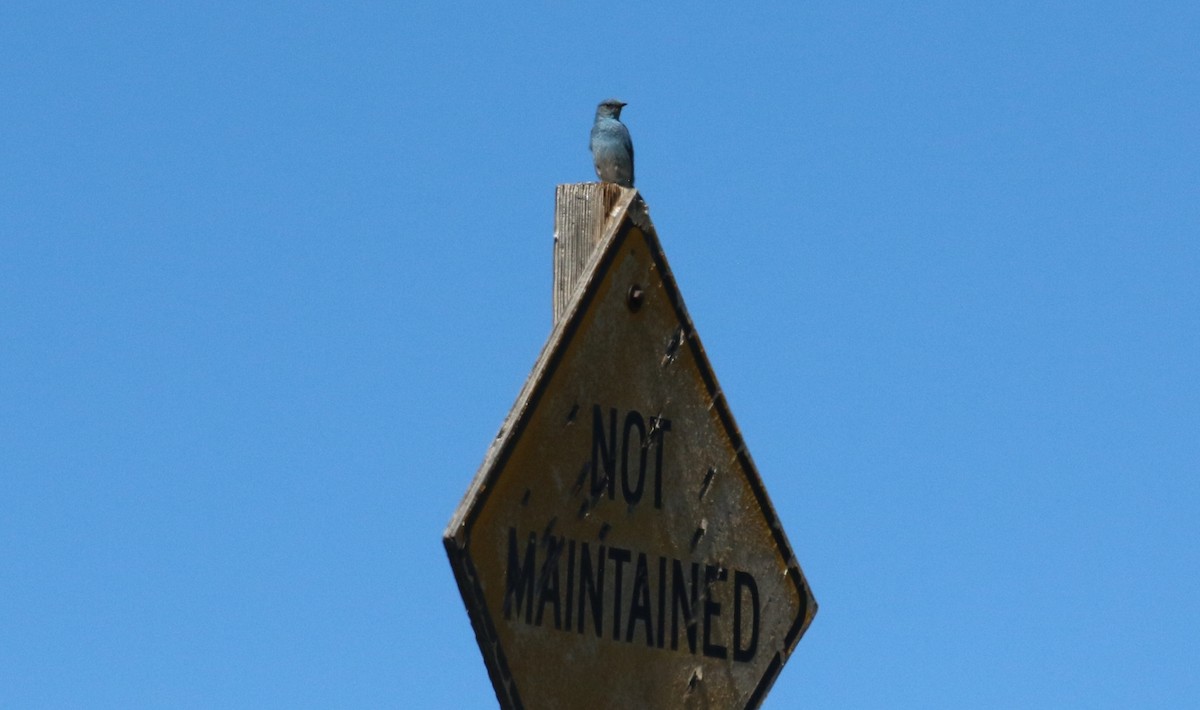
(617, 547)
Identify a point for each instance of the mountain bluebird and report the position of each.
(612, 150)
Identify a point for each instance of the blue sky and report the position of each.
(272, 275)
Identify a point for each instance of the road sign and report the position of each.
(617, 547)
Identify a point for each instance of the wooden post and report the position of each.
(582, 211)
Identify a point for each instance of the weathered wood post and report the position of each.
(582, 211)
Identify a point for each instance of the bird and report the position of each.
(612, 149)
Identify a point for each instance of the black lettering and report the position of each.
(744, 580)
(639, 609)
(633, 494)
(570, 581)
(660, 427)
(662, 598)
(549, 582)
(591, 586)
(619, 558)
(604, 453)
(695, 600)
(712, 610)
(520, 576)
(680, 600)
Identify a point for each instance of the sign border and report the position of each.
(458, 533)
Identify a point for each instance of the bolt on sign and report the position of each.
(617, 547)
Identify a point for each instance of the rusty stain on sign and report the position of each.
(617, 547)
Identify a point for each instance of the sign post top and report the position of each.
(617, 547)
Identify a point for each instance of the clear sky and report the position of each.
(272, 274)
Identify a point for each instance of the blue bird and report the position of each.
(612, 149)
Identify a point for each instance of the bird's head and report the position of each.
(609, 108)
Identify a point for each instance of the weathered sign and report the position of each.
(617, 547)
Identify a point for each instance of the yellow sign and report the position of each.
(617, 547)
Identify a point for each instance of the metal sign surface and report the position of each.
(617, 547)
